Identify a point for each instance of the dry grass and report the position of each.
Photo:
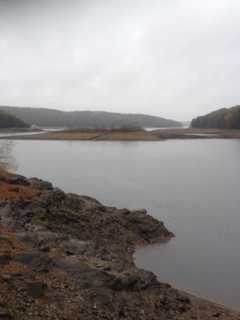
(136, 134)
(92, 134)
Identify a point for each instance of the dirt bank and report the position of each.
(130, 134)
(91, 134)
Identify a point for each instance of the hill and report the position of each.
(225, 118)
(10, 121)
(86, 119)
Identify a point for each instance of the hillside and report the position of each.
(86, 119)
(225, 118)
(10, 121)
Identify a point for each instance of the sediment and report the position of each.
(128, 135)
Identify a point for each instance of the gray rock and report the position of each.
(85, 277)
(38, 261)
(40, 184)
(135, 280)
(74, 247)
(17, 179)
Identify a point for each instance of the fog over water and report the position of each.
(176, 58)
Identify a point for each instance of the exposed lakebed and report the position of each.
(193, 186)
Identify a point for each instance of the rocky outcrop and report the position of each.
(65, 256)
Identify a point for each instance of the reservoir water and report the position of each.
(192, 185)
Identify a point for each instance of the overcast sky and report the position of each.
(173, 58)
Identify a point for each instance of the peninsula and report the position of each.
(127, 134)
(65, 256)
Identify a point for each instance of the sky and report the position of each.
(173, 58)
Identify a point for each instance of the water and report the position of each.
(193, 185)
(162, 128)
(10, 134)
(6, 134)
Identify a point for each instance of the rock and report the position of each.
(36, 289)
(38, 261)
(135, 280)
(84, 275)
(4, 259)
(5, 239)
(17, 179)
(40, 184)
(4, 314)
(217, 314)
(74, 247)
(6, 277)
(80, 254)
(52, 197)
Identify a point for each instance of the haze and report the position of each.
(175, 59)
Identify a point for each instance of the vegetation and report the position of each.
(87, 119)
(226, 118)
(10, 121)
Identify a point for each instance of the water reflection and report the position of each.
(7, 159)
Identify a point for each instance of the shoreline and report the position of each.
(127, 135)
(53, 242)
(205, 302)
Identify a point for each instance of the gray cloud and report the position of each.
(176, 58)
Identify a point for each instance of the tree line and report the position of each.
(226, 118)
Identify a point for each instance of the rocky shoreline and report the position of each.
(65, 256)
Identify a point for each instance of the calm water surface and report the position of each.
(194, 186)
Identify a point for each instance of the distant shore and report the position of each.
(128, 134)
